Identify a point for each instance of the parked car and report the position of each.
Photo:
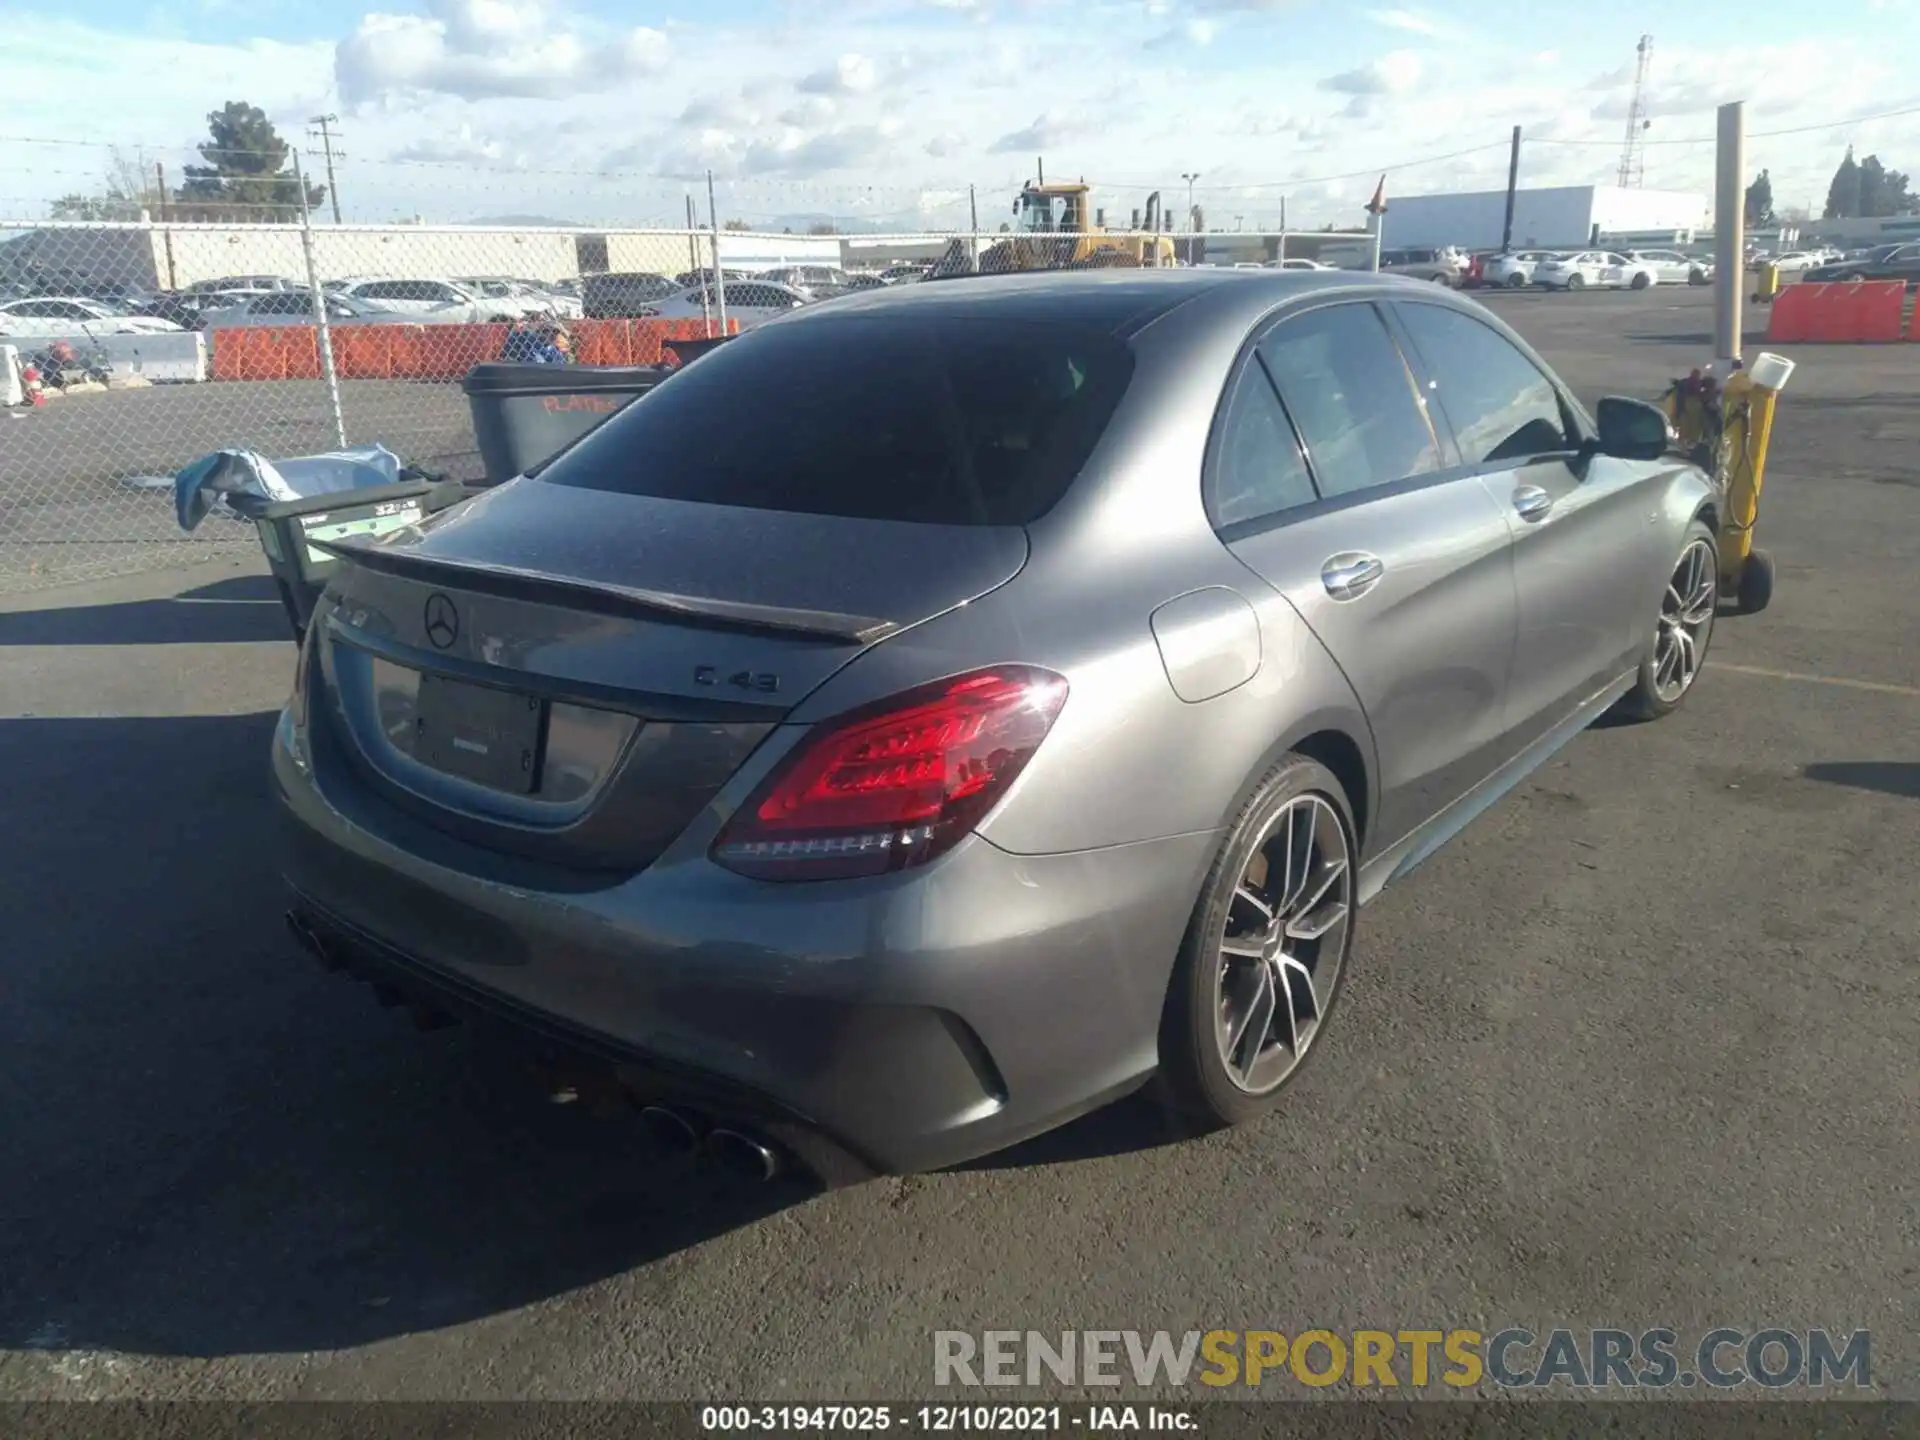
(1669, 267)
(917, 857)
(863, 280)
(521, 299)
(244, 282)
(816, 282)
(441, 299)
(1884, 262)
(1594, 269)
(50, 316)
(1796, 261)
(904, 274)
(750, 302)
(295, 307)
(1445, 264)
(624, 294)
(1514, 270)
(1297, 263)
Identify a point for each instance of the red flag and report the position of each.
(1378, 205)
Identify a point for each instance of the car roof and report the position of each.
(1123, 302)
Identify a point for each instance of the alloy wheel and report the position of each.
(1686, 620)
(1283, 942)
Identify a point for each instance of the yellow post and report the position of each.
(1747, 402)
(1766, 283)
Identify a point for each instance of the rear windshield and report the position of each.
(938, 419)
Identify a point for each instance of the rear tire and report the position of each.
(1516, 281)
(1641, 281)
(1676, 651)
(1270, 937)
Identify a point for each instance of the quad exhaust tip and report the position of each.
(742, 1155)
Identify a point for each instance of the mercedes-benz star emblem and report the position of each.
(443, 621)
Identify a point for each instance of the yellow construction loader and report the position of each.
(1056, 228)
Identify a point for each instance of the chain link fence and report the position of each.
(129, 350)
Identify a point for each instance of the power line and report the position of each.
(1754, 134)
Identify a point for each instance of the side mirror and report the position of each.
(1633, 429)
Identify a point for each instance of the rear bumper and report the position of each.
(912, 1021)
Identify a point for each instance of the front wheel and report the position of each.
(1677, 649)
(1266, 949)
(1516, 281)
(1576, 282)
(1641, 281)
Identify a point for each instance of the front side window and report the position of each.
(1349, 392)
(1501, 406)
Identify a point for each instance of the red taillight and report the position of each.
(897, 783)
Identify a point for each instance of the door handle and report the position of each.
(1530, 502)
(1350, 574)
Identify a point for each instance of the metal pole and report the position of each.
(1190, 177)
(1513, 186)
(1378, 224)
(319, 297)
(326, 143)
(693, 266)
(1729, 234)
(719, 275)
(166, 229)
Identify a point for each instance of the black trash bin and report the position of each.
(286, 527)
(523, 414)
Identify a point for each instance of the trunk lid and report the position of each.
(570, 674)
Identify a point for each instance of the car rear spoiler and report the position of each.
(605, 598)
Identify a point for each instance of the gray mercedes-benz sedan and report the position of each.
(937, 713)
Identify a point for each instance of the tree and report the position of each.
(734, 225)
(248, 167)
(1882, 191)
(126, 190)
(1760, 200)
(822, 227)
(1843, 193)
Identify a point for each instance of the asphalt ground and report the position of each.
(68, 512)
(1636, 1050)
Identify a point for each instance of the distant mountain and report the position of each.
(528, 222)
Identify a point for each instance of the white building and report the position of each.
(1560, 217)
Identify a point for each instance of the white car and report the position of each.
(1594, 269)
(1670, 267)
(816, 282)
(438, 299)
(750, 302)
(1296, 264)
(1515, 269)
(1794, 261)
(46, 317)
(521, 297)
(295, 307)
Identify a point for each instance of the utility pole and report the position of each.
(973, 213)
(1633, 153)
(1040, 169)
(166, 227)
(1190, 176)
(1513, 186)
(323, 132)
(1729, 234)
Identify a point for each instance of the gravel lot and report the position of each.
(1637, 1050)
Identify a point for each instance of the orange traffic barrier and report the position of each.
(300, 344)
(448, 352)
(600, 342)
(362, 352)
(1842, 312)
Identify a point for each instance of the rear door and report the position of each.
(1583, 531)
(1399, 562)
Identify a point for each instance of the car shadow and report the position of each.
(216, 1148)
(1143, 1120)
(242, 609)
(1889, 777)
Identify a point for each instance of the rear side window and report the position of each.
(1500, 405)
(942, 420)
(1258, 470)
(1351, 396)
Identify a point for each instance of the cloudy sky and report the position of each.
(602, 112)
